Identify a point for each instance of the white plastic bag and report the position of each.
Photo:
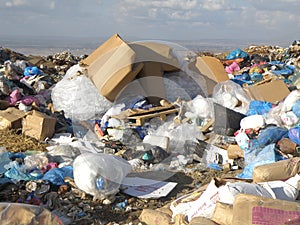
(202, 107)
(178, 134)
(206, 204)
(229, 94)
(78, 97)
(229, 191)
(273, 116)
(198, 203)
(252, 122)
(290, 100)
(99, 174)
(289, 119)
(284, 190)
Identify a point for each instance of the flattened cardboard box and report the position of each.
(250, 209)
(38, 125)
(11, 118)
(274, 91)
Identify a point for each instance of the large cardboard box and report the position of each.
(11, 118)
(38, 125)
(157, 58)
(111, 66)
(250, 209)
(280, 170)
(274, 91)
(116, 63)
(211, 69)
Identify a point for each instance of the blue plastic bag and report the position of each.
(294, 135)
(4, 159)
(283, 71)
(256, 77)
(276, 63)
(296, 109)
(257, 107)
(271, 135)
(256, 156)
(57, 175)
(17, 172)
(32, 71)
(238, 53)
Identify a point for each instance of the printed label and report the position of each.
(267, 216)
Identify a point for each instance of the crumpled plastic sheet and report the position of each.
(78, 97)
(294, 135)
(57, 175)
(255, 156)
(259, 107)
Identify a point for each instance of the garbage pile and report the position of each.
(104, 121)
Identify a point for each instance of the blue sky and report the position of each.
(143, 19)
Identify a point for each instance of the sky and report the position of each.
(270, 20)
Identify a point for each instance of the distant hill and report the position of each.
(45, 45)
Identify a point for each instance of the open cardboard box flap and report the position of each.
(211, 69)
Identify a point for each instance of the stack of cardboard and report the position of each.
(114, 64)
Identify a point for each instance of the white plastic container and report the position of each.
(161, 141)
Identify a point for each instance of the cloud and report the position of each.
(178, 15)
(52, 5)
(213, 5)
(291, 6)
(158, 10)
(16, 3)
(173, 4)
